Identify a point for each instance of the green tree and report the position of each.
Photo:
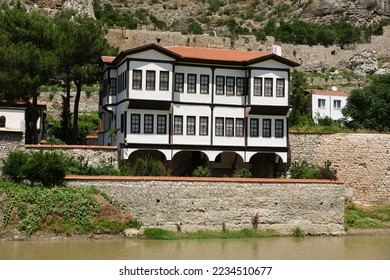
(28, 61)
(369, 108)
(300, 114)
(80, 43)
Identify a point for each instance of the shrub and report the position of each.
(45, 168)
(303, 171)
(149, 167)
(12, 165)
(298, 232)
(242, 173)
(201, 171)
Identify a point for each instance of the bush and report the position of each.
(201, 171)
(149, 167)
(159, 233)
(309, 171)
(242, 173)
(45, 168)
(12, 165)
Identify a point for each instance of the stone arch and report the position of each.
(267, 165)
(146, 154)
(184, 163)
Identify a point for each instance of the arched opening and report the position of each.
(226, 162)
(185, 162)
(2, 121)
(147, 155)
(267, 165)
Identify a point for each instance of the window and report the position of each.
(240, 86)
(148, 124)
(267, 87)
(220, 85)
(204, 84)
(190, 125)
(178, 125)
(258, 87)
(2, 121)
(179, 82)
(121, 82)
(279, 87)
(137, 79)
(191, 83)
(135, 123)
(122, 122)
(337, 104)
(164, 80)
(240, 127)
(279, 128)
(266, 128)
(254, 128)
(150, 80)
(113, 86)
(161, 124)
(321, 103)
(219, 127)
(229, 127)
(203, 125)
(230, 81)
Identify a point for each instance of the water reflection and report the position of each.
(280, 248)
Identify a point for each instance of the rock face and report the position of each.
(364, 63)
(83, 7)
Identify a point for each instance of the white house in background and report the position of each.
(12, 118)
(327, 103)
(224, 109)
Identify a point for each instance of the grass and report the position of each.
(366, 217)
(163, 234)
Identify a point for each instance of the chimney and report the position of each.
(277, 50)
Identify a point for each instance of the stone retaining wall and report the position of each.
(362, 161)
(10, 141)
(316, 207)
(94, 155)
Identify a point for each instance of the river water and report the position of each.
(275, 248)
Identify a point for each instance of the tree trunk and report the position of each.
(66, 116)
(31, 118)
(76, 139)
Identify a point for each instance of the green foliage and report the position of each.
(159, 233)
(148, 167)
(305, 170)
(242, 173)
(80, 166)
(298, 232)
(201, 171)
(45, 168)
(374, 217)
(369, 108)
(300, 114)
(157, 22)
(215, 5)
(194, 27)
(59, 210)
(13, 164)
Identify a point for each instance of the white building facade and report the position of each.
(224, 109)
(328, 103)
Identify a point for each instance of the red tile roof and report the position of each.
(328, 92)
(108, 59)
(216, 54)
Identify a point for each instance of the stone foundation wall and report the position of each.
(317, 208)
(362, 161)
(10, 141)
(94, 155)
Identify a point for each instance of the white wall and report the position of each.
(328, 110)
(14, 119)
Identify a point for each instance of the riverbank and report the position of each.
(37, 213)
